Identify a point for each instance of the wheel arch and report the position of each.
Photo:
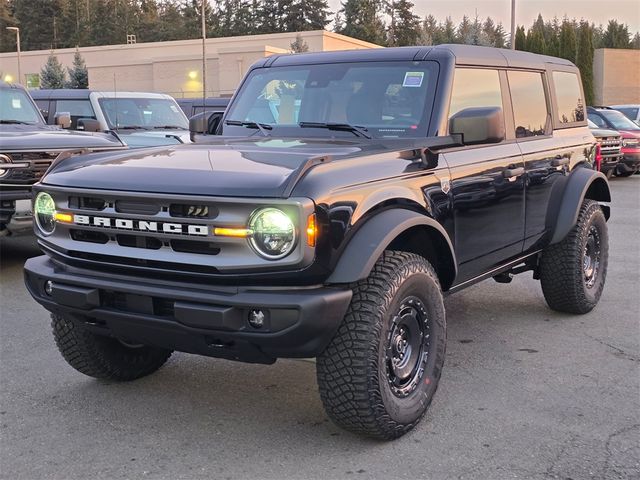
(582, 184)
(397, 229)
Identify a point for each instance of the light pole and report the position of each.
(204, 50)
(513, 24)
(17, 30)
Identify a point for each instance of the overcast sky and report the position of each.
(597, 11)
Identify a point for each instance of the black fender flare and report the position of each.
(580, 184)
(375, 235)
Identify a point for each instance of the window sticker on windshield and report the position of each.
(174, 108)
(413, 79)
(147, 112)
(15, 103)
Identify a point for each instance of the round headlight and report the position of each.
(4, 159)
(274, 234)
(45, 211)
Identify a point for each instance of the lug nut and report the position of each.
(48, 287)
(256, 318)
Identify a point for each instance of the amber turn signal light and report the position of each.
(312, 230)
(64, 217)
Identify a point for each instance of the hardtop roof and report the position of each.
(462, 55)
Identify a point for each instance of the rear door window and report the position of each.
(529, 101)
(568, 97)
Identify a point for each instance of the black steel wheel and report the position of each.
(380, 372)
(573, 271)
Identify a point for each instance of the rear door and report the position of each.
(487, 181)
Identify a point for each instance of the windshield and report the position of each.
(630, 112)
(618, 120)
(17, 107)
(144, 113)
(387, 99)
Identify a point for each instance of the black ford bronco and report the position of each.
(27, 149)
(348, 193)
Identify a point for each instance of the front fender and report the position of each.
(582, 183)
(370, 241)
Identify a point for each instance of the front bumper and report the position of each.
(631, 160)
(194, 318)
(15, 212)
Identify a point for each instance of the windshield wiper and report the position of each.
(15, 122)
(130, 127)
(356, 130)
(263, 127)
(168, 127)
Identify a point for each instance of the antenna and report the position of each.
(115, 97)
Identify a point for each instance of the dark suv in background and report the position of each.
(28, 146)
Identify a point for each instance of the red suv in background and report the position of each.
(605, 117)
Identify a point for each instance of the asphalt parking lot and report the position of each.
(525, 393)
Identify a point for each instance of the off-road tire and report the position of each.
(562, 273)
(104, 357)
(353, 377)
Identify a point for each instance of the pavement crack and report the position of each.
(607, 446)
(619, 352)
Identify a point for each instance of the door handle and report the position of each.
(513, 172)
(557, 162)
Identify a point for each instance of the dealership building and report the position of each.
(174, 67)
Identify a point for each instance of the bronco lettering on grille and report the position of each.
(141, 225)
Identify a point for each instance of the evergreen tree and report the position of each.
(568, 42)
(267, 16)
(431, 32)
(7, 38)
(635, 43)
(616, 35)
(404, 26)
(521, 39)
(38, 20)
(362, 20)
(78, 74)
(465, 31)
(171, 22)
(52, 74)
(448, 31)
(535, 37)
(584, 59)
(299, 45)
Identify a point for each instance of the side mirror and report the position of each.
(89, 124)
(478, 125)
(198, 125)
(62, 119)
(205, 123)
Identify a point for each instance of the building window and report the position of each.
(32, 80)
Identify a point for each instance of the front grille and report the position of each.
(147, 232)
(39, 163)
(610, 147)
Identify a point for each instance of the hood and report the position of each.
(153, 138)
(42, 137)
(250, 167)
(602, 133)
(630, 133)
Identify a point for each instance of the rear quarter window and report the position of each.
(570, 103)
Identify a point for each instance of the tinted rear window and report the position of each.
(569, 97)
(529, 103)
(475, 88)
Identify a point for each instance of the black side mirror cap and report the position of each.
(89, 124)
(478, 125)
(62, 119)
(205, 123)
